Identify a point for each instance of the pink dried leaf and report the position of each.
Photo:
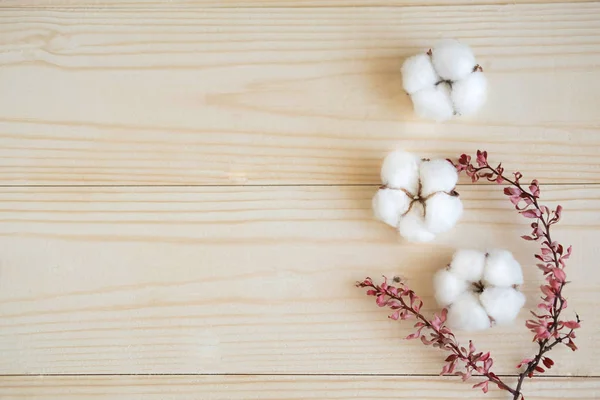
(531, 213)
(481, 158)
(464, 375)
(445, 369)
(571, 345)
(488, 364)
(569, 250)
(558, 211)
(515, 200)
(444, 315)
(483, 385)
(512, 191)
(572, 324)
(525, 361)
(534, 188)
(559, 274)
(471, 347)
(425, 341)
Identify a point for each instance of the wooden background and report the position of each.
(185, 192)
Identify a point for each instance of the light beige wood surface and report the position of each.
(262, 3)
(250, 280)
(285, 96)
(277, 388)
(185, 192)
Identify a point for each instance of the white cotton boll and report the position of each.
(443, 212)
(453, 60)
(447, 287)
(502, 303)
(389, 204)
(468, 264)
(400, 170)
(469, 94)
(502, 269)
(418, 73)
(412, 225)
(433, 103)
(467, 314)
(437, 176)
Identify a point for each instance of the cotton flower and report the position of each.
(444, 82)
(480, 289)
(417, 196)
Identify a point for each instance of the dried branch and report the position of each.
(548, 327)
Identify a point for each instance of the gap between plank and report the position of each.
(270, 185)
(280, 374)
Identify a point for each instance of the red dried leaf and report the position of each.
(464, 159)
(451, 357)
(548, 362)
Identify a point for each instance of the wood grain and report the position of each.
(250, 280)
(145, 4)
(284, 96)
(277, 388)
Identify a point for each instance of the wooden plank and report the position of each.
(251, 280)
(260, 3)
(278, 387)
(284, 96)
